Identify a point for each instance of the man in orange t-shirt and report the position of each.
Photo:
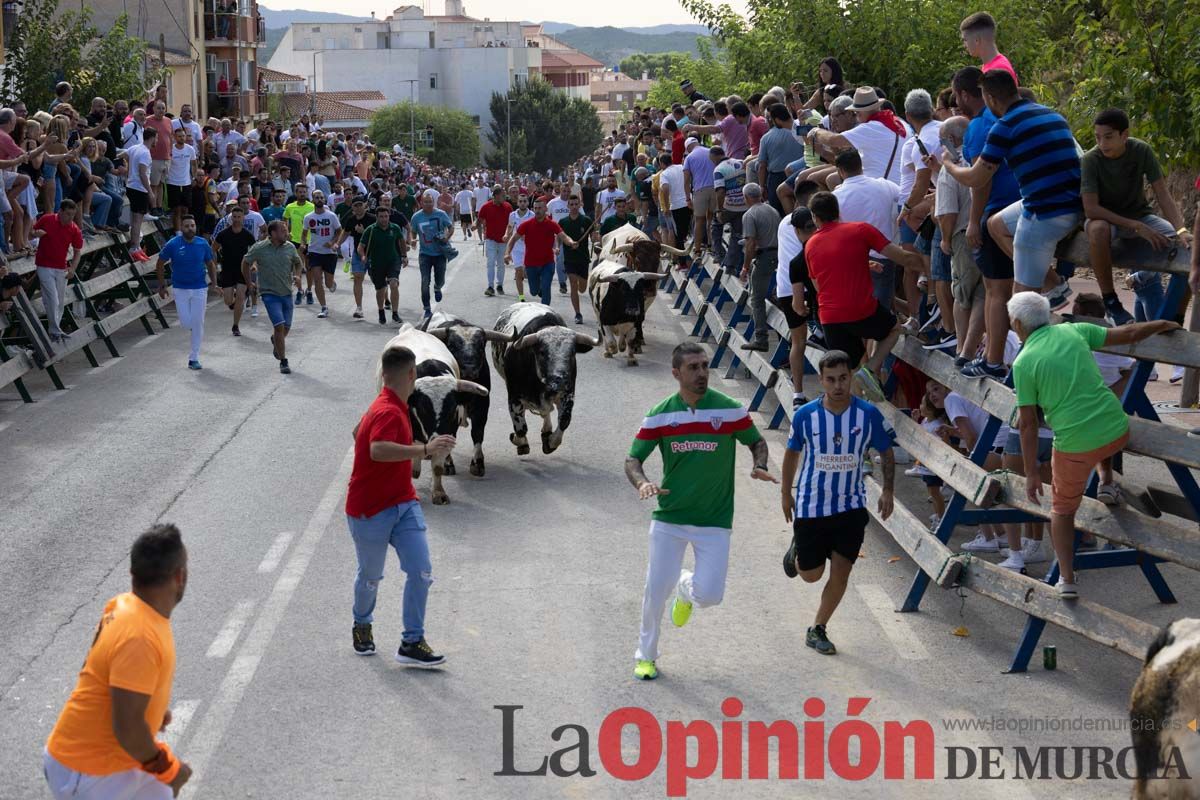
(103, 744)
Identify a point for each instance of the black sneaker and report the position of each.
(979, 368)
(798, 401)
(387, 305)
(236, 332)
(308, 298)
(562, 288)
(489, 292)
(579, 319)
(284, 368)
(942, 341)
(960, 362)
(789, 562)
(357, 314)
(816, 335)
(499, 290)
(299, 297)
(418, 654)
(437, 294)
(364, 642)
(382, 317)
(758, 345)
(817, 640)
(1116, 312)
(396, 317)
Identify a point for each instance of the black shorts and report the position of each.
(230, 278)
(849, 336)
(465, 219)
(178, 196)
(325, 261)
(794, 320)
(580, 270)
(380, 277)
(818, 538)
(139, 202)
(208, 224)
(994, 264)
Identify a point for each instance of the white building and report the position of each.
(451, 60)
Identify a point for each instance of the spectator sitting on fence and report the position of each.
(1114, 174)
(1055, 371)
(934, 421)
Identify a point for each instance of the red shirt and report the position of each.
(758, 129)
(677, 148)
(495, 219)
(838, 257)
(1001, 62)
(161, 150)
(539, 240)
(8, 148)
(54, 243)
(376, 485)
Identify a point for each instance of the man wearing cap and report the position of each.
(879, 136)
(698, 188)
(689, 90)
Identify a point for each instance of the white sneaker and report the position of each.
(982, 544)
(1014, 562)
(1067, 591)
(934, 521)
(1177, 375)
(918, 471)
(254, 311)
(1033, 551)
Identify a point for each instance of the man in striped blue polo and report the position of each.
(827, 505)
(1037, 145)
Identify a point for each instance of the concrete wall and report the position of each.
(157, 20)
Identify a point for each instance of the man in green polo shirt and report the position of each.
(619, 217)
(576, 260)
(381, 247)
(694, 430)
(279, 268)
(1056, 372)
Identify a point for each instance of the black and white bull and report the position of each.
(538, 368)
(1163, 709)
(621, 303)
(439, 397)
(468, 344)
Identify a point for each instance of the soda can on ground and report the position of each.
(1050, 657)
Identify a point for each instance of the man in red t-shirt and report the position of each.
(492, 219)
(539, 234)
(839, 263)
(56, 235)
(382, 509)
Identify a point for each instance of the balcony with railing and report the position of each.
(233, 104)
(233, 23)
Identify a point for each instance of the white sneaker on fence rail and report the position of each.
(1013, 562)
(1033, 551)
(982, 544)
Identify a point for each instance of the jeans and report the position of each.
(884, 283)
(435, 265)
(54, 296)
(403, 527)
(191, 304)
(1034, 241)
(495, 262)
(1148, 289)
(560, 266)
(101, 206)
(733, 254)
(762, 276)
(716, 236)
(541, 280)
(772, 195)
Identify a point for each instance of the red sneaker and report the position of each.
(139, 255)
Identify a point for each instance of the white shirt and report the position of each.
(672, 178)
(608, 202)
(871, 200)
(131, 134)
(463, 200)
(515, 219)
(137, 156)
(958, 407)
(952, 198)
(482, 195)
(221, 139)
(789, 247)
(874, 142)
(557, 209)
(179, 173)
(910, 155)
(193, 129)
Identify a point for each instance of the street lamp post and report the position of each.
(312, 103)
(412, 113)
(508, 132)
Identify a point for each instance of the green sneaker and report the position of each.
(681, 612)
(645, 671)
(817, 640)
(871, 387)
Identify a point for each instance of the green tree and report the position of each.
(656, 65)
(48, 46)
(455, 135)
(554, 128)
(712, 73)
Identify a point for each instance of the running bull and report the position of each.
(468, 344)
(538, 368)
(439, 396)
(622, 290)
(1163, 709)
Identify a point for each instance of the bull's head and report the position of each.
(627, 298)
(553, 351)
(468, 344)
(645, 255)
(433, 405)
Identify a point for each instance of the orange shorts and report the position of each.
(1071, 473)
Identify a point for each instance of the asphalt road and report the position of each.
(539, 569)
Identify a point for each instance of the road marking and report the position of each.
(215, 722)
(278, 548)
(181, 715)
(104, 366)
(895, 627)
(228, 635)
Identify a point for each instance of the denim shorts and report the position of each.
(939, 262)
(357, 265)
(279, 309)
(1035, 240)
(1012, 446)
(1152, 221)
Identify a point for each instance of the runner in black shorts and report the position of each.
(828, 501)
(231, 247)
(849, 336)
(577, 260)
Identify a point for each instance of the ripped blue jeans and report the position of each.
(402, 527)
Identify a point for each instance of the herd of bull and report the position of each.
(533, 350)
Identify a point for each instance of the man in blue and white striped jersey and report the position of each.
(827, 505)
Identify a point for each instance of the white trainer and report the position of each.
(1013, 562)
(1033, 551)
(934, 521)
(1067, 591)
(982, 544)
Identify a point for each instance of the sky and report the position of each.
(618, 13)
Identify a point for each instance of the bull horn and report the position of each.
(498, 336)
(526, 340)
(609, 278)
(652, 276)
(621, 249)
(472, 387)
(672, 251)
(583, 338)
(440, 333)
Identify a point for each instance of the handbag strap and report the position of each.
(895, 145)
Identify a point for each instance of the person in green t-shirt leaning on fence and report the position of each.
(1055, 371)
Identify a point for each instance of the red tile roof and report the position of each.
(296, 104)
(558, 59)
(274, 75)
(372, 94)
